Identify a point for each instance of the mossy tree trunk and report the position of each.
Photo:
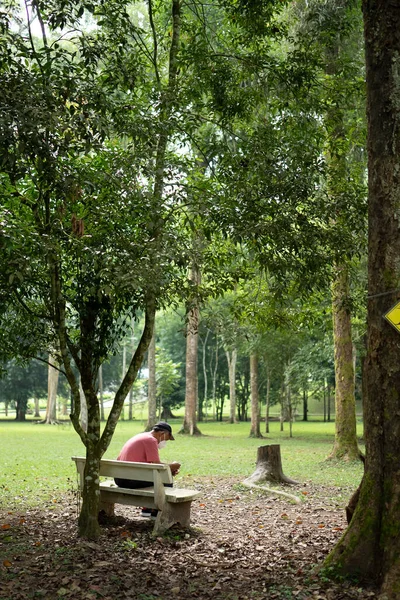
(370, 546)
(345, 446)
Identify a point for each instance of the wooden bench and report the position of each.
(173, 504)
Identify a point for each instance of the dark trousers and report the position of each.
(135, 483)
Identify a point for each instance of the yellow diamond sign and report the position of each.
(393, 316)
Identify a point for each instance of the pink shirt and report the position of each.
(141, 448)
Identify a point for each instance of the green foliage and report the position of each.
(22, 382)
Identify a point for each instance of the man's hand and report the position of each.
(175, 466)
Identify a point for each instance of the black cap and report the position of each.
(163, 426)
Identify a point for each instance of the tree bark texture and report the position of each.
(345, 446)
(305, 404)
(371, 544)
(37, 407)
(52, 384)
(205, 377)
(192, 338)
(232, 358)
(255, 411)
(267, 401)
(84, 409)
(101, 392)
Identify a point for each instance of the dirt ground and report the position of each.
(243, 545)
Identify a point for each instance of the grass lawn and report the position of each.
(37, 467)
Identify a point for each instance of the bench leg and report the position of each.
(171, 514)
(108, 508)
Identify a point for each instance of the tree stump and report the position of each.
(269, 466)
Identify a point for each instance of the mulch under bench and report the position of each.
(242, 545)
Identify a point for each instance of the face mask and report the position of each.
(162, 444)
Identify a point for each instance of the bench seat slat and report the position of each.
(171, 494)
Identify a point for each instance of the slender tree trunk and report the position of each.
(305, 404)
(214, 382)
(123, 375)
(130, 401)
(152, 385)
(290, 407)
(37, 407)
(255, 409)
(96, 442)
(288, 398)
(267, 402)
(192, 336)
(101, 393)
(84, 409)
(231, 358)
(190, 420)
(345, 446)
(328, 393)
(370, 547)
(52, 384)
(130, 404)
(205, 376)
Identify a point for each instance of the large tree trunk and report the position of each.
(152, 385)
(370, 547)
(345, 446)
(192, 336)
(255, 408)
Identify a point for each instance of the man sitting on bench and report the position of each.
(144, 448)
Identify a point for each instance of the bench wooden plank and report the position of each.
(128, 470)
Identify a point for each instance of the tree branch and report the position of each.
(155, 46)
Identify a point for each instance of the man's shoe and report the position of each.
(146, 513)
